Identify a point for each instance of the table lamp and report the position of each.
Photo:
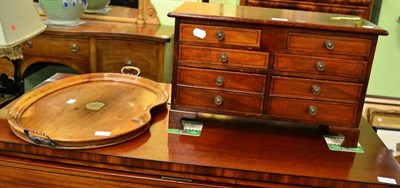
(19, 21)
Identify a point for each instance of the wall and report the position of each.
(163, 7)
(385, 75)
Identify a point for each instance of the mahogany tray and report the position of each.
(87, 111)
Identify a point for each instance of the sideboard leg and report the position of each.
(175, 117)
(351, 135)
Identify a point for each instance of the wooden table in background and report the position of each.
(102, 43)
(229, 152)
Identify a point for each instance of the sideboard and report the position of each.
(287, 65)
(102, 43)
(229, 153)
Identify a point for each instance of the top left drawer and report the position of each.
(220, 35)
(57, 47)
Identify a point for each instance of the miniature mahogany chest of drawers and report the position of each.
(304, 67)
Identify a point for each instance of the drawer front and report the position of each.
(329, 44)
(315, 89)
(313, 110)
(320, 66)
(220, 35)
(220, 101)
(223, 57)
(221, 80)
(112, 55)
(57, 47)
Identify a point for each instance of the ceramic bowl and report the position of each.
(63, 12)
(95, 6)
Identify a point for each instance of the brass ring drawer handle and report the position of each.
(219, 80)
(128, 68)
(28, 44)
(74, 48)
(220, 35)
(320, 65)
(329, 44)
(312, 110)
(316, 89)
(223, 57)
(218, 100)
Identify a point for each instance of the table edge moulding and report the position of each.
(230, 152)
(287, 65)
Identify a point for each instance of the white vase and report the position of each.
(97, 6)
(63, 12)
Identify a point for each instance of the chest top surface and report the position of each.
(278, 17)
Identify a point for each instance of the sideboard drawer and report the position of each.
(57, 47)
(222, 101)
(221, 35)
(143, 55)
(223, 80)
(320, 65)
(329, 44)
(318, 111)
(315, 89)
(223, 57)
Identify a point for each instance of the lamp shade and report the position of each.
(19, 21)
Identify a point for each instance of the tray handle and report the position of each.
(43, 139)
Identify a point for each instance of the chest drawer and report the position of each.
(315, 111)
(221, 80)
(315, 89)
(218, 101)
(57, 47)
(223, 57)
(320, 66)
(329, 44)
(221, 35)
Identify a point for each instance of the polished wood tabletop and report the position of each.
(230, 150)
(118, 22)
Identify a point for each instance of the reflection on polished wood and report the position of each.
(230, 152)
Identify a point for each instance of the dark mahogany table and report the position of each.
(230, 152)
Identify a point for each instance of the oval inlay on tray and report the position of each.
(87, 111)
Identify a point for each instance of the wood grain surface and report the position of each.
(88, 110)
(229, 153)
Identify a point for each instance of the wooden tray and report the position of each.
(87, 111)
